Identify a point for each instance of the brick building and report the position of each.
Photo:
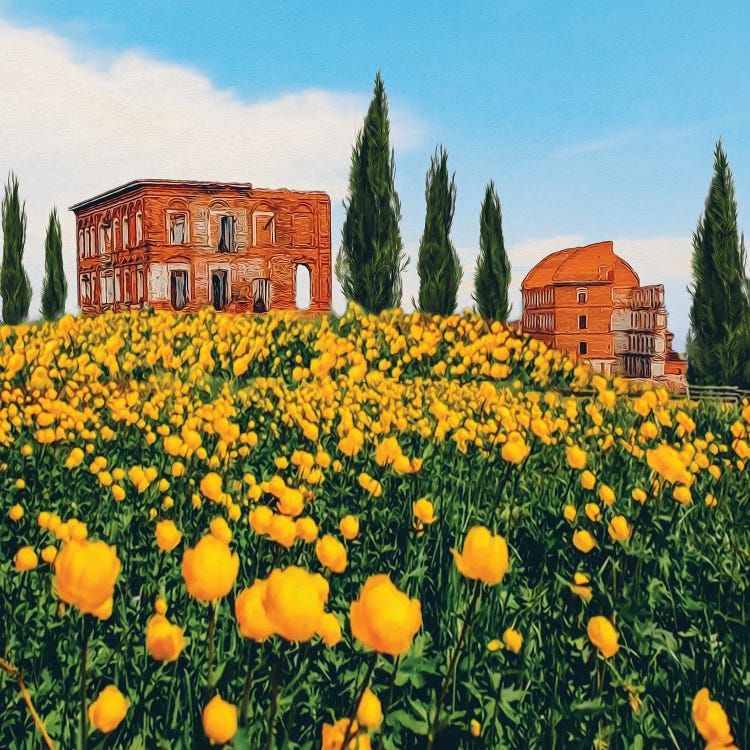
(589, 301)
(181, 245)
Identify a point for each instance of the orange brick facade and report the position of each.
(589, 301)
(180, 245)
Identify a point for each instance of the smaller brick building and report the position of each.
(589, 301)
(181, 245)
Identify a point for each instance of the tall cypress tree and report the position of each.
(492, 276)
(438, 266)
(371, 258)
(721, 305)
(55, 287)
(15, 287)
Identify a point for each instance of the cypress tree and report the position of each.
(15, 287)
(438, 266)
(720, 301)
(371, 258)
(55, 286)
(492, 276)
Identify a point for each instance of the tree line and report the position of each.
(371, 258)
(15, 287)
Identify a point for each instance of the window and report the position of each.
(302, 283)
(126, 285)
(126, 231)
(178, 289)
(177, 229)
(116, 234)
(85, 289)
(226, 234)
(219, 289)
(118, 286)
(581, 322)
(264, 228)
(583, 347)
(261, 295)
(138, 228)
(92, 241)
(81, 244)
(582, 296)
(107, 288)
(139, 288)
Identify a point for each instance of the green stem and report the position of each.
(211, 636)
(454, 661)
(84, 654)
(274, 707)
(386, 706)
(248, 683)
(353, 713)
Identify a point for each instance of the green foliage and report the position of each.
(720, 310)
(438, 266)
(15, 288)
(492, 276)
(55, 287)
(371, 258)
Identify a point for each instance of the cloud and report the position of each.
(615, 140)
(77, 122)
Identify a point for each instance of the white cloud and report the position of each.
(75, 123)
(607, 143)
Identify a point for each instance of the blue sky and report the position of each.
(595, 120)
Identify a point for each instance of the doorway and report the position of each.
(219, 289)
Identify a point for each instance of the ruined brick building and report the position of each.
(181, 245)
(589, 301)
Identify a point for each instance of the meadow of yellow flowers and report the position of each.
(370, 532)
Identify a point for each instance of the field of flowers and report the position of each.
(373, 532)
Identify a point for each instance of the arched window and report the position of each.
(138, 228)
(92, 240)
(125, 231)
(116, 234)
(302, 283)
(81, 244)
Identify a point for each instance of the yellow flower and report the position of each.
(331, 553)
(108, 710)
(369, 711)
(85, 574)
(639, 495)
(75, 458)
(168, 536)
(20, 484)
(210, 486)
(209, 569)
(307, 529)
(260, 519)
(475, 728)
(383, 618)
(666, 461)
(593, 512)
(606, 495)
(334, 735)
(515, 449)
(484, 556)
(219, 720)
(294, 601)
(424, 510)
(576, 457)
(160, 605)
(619, 529)
(220, 529)
(570, 513)
(291, 503)
(349, 527)
(282, 530)
(164, 640)
(711, 720)
(580, 586)
(603, 635)
(710, 500)
(16, 512)
(588, 480)
(118, 493)
(26, 559)
(251, 614)
(682, 494)
(513, 640)
(329, 629)
(583, 540)
(494, 645)
(49, 553)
